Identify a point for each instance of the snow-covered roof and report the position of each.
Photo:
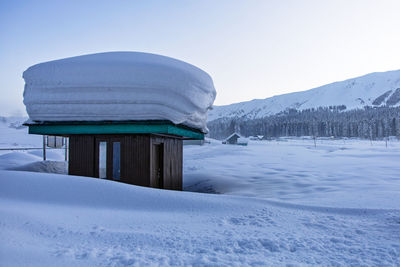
(119, 86)
(232, 135)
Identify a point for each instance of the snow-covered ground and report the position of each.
(56, 220)
(282, 203)
(334, 173)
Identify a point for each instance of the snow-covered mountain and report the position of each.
(374, 89)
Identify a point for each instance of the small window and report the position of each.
(116, 160)
(102, 159)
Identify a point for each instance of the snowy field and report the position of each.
(285, 203)
(334, 173)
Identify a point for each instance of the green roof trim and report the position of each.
(151, 127)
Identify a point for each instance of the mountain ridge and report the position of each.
(372, 89)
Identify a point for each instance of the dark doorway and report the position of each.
(157, 172)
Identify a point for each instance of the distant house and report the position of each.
(232, 139)
(235, 139)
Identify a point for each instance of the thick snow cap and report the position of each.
(119, 86)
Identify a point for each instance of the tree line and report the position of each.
(367, 123)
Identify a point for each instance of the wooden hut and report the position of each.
(126, 114)
(235, 139)
(146, 153)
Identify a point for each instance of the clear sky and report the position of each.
(252, 49)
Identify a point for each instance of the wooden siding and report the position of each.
(81, 155)
(136, 158)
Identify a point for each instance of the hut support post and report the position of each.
(44, 147)
(66, 148)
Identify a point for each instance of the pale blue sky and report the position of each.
(252, 49)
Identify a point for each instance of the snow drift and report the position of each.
(59, 220)
(119, 86)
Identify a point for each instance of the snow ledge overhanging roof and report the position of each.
(119, 86)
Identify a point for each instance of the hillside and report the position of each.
(374, 89)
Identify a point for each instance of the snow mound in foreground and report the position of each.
(58, 220)
(119, 86)
(60, 167)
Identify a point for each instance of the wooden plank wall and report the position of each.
(81, 155)
(135, 160)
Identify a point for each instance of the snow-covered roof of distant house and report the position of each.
(119, 86)
(232, 135)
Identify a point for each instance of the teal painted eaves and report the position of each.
(114, 128)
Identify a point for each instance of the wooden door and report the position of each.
(108, 158)
(157, 163)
